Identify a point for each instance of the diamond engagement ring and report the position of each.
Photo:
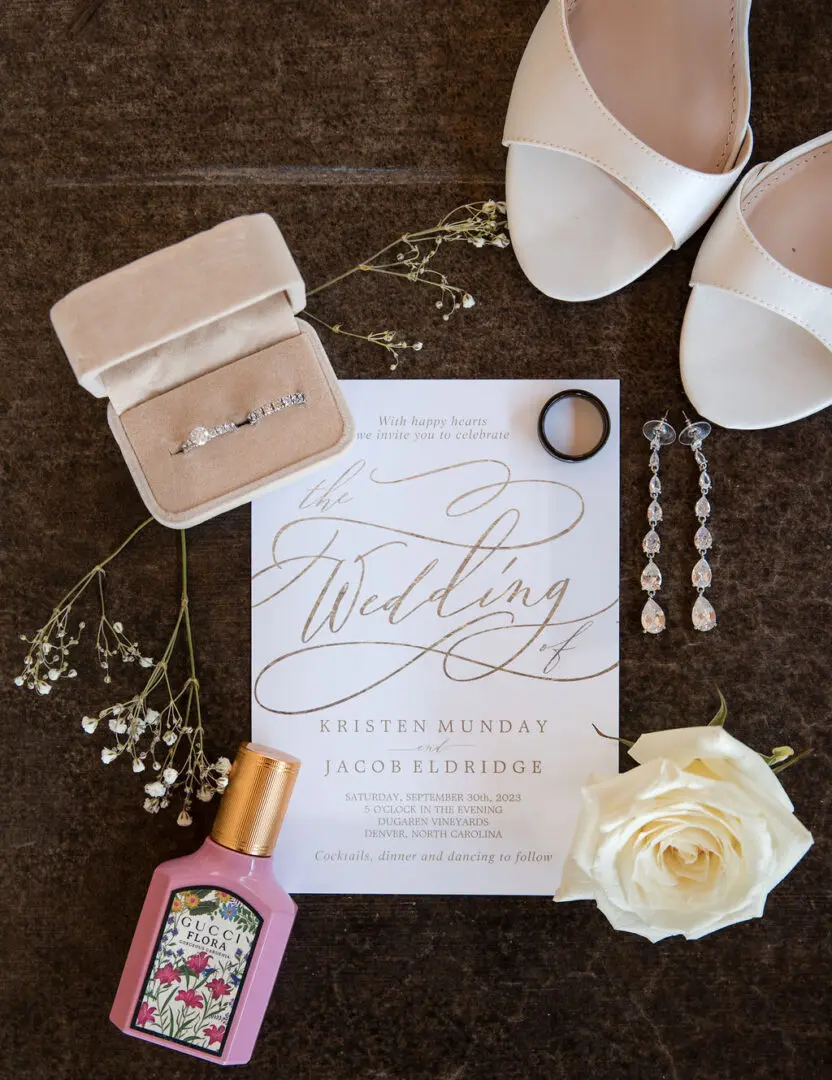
(201, 435)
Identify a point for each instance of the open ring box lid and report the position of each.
(200, 334)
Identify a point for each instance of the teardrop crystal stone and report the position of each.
(700, 457)
(703, 539)
(651, 578)
(651, 544)
(704, 483)
(703, 615)
(702, 508)
(652, 617)
(654, 513)
(654, 460)
(701, 575)
(655, 486)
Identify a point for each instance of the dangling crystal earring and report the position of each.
(659, 433)
(703, 614)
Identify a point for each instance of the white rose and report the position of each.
(691, 840)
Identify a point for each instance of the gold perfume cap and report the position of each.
(254, 804)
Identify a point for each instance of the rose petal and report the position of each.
(718, 749)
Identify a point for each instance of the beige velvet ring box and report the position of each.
(201, 335)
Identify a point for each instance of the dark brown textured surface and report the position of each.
(351, 121)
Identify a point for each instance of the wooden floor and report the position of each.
(352, 122)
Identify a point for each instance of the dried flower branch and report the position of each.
(170, 738)
(167, 735)
(47, 660)
(410, 256)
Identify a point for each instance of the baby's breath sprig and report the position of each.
(170, 738)
(166, 735)
(48, 660)
(410, 256)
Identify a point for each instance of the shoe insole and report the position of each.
(790, 213)
(667, 70)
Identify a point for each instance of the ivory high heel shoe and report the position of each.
(627, 126)
(756, 347)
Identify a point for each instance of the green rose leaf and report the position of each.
(722, 714)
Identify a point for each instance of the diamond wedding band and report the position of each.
(201, 435)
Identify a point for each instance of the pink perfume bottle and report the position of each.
(214, 925)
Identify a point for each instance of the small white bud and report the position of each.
(468, 301)
(89, 724)
(19, 681)
(145, 661)
(118, 627)
(138, 765)
(205, 794)
(43, 688)
(108, 755)
(169, 738)
(151, 716)
(416, 346)
(170, 775)
(184, 818)
(155, 788)
(118, 727)
(222, 783)
(222, 765)
(151, 806)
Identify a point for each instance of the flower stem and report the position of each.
(406, 238)
(355, 269)
(189, 636)
(82, 583)
(344, 333)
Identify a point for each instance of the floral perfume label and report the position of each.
(198, 968)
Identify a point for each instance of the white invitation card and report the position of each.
(434, 634)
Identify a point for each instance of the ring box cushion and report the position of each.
(198, 334)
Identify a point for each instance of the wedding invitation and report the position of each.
(434, 634)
